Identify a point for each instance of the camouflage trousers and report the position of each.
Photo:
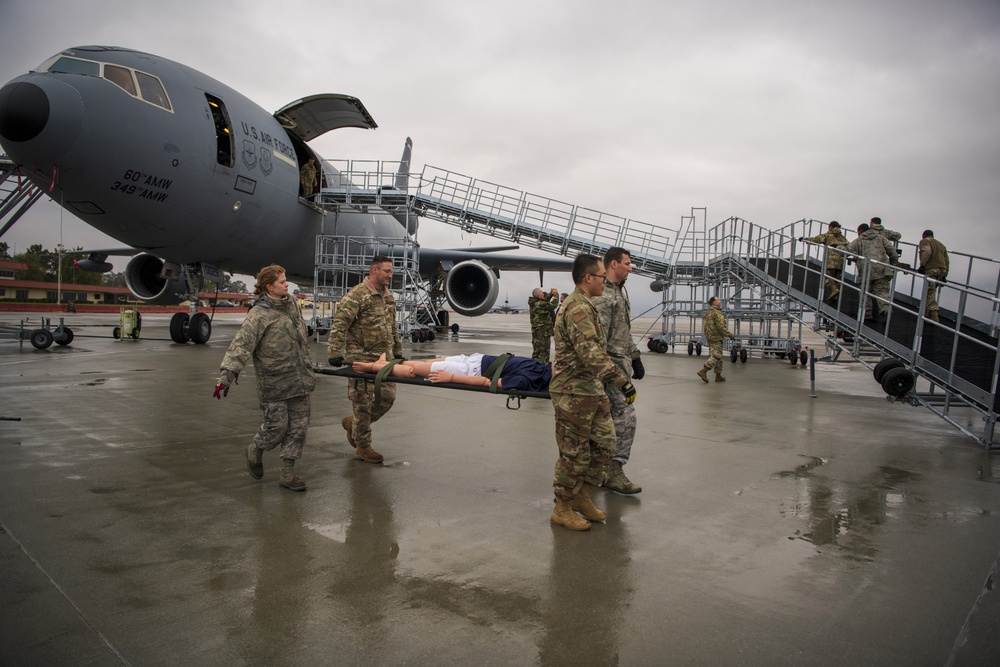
(932, 289)
(285, 424)
(832, 282)
(540, 345)
(362, 395)
(714, 362)
(880, 287)
(585, 435)
(623, 416)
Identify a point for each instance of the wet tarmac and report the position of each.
(772, 529)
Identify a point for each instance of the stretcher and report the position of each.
(514, 396)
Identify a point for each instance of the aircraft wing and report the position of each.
(447, 258)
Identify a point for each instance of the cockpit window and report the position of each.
(121, 77)
(151, 90)
(66, 65)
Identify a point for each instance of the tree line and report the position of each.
(43, 265)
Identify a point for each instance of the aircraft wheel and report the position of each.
(884, 366)
(651, 345)
(804, 357)
(41, 338)
(743, 355)
(179, 330)
(690, 348)
(116, 332)
(414, 337)
(67, 336)
(898, 382)
(430, 334)
(200, 328)
(697, 349)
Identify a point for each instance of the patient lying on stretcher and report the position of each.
(518, 372)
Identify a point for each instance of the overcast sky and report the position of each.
(770, 111)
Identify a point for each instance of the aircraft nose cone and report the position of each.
(24, 111)
(40, 119)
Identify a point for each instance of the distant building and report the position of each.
(37, 291)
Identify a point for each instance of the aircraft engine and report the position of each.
(143, 275)
(471, 288)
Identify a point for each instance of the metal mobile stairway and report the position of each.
(482, 207)
(16, 196)
(949, 367)
(955, 361)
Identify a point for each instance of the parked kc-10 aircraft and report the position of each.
(199, 178)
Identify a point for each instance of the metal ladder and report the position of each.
(16, 197)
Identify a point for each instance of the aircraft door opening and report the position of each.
(223, 131)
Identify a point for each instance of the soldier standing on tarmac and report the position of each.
(542, 311)
(715, 331)
(614, 309)
(585, 433)
(274, 335)
(366, 324)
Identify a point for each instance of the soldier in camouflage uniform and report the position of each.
(542, 311)
(875, 246)
(307, 177)
(934, 264)
(834, 238)
(366, 324)
(614, 309)
(585, 433)
(876, 225)
(715, 331)
(275, 336)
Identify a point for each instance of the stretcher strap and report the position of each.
(493, 370)
(379, 376)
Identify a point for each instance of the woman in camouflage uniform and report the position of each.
(275, 336)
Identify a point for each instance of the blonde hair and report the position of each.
(267, 276)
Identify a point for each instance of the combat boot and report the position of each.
(934, 316)
(288, 478)
(348, 424)
(367, 454)
(703, 374)
(832, 296)
(255, 461)
(618, 482)
(719, 378)
(585, 506)
(563, 515)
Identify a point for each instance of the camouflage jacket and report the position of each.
(365, 324)
(542, 313)
(274, 334)
(714, 325)
(581, 366)
(834, 259)
(873, 245)
(934, 256)
(887, 233)
(614, 309)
